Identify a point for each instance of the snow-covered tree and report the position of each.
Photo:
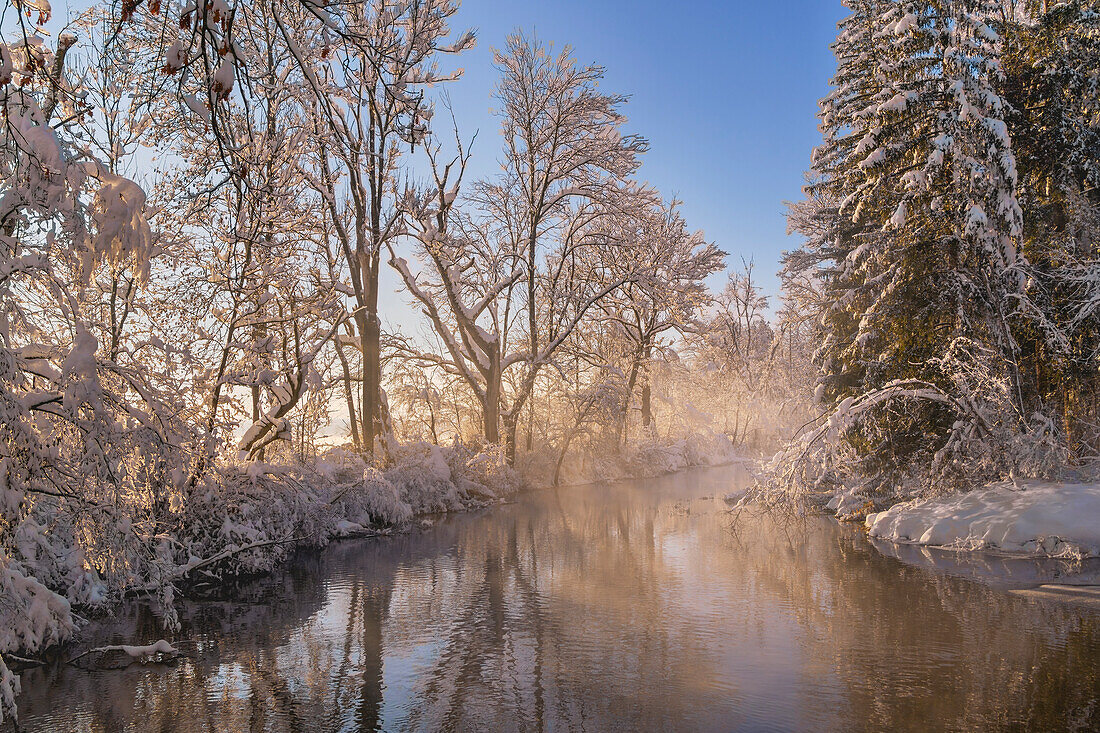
(663, 266)
(918, 156)
(918, 223)
(370, 102)
(563, 146)
(1052, 95)
(471, 269)
(84, 443)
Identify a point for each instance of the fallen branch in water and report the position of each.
(136, 653)
(184, 570)
(25, 661)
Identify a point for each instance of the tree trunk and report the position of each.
(532, 325)
(630, 384)
(349, 396)
(561, 460)
(510, 421)
(491, 407)
(370, 341)
(531, 423)
(369, 408)
(256, 414)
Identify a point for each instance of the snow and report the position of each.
(142, 652)
(897, 221)
(198, 107)
(223, 78)
(122, 233)
(874, 158)
(344, 528)
(1034, 518)
(916, 180)
(906, 24)
(81, 363)
(175, 58)
(898, 103)
(987, 33)
(975, 219)
(847, 503)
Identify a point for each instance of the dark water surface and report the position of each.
(626, 607)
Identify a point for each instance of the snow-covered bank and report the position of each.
(239, 519)
(1033, 518)
(248, 519)
(275, 509)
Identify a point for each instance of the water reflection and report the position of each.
(632, 607)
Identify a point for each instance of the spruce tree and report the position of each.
(920, 258)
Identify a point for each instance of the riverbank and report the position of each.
(1058, 519)
(642, 459)
(248, 521)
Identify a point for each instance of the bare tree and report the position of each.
(465, 289)
(369, 104)
(667, 266)
(563, 142)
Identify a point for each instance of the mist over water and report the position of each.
(634, 606)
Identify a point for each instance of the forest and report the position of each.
(206, 205)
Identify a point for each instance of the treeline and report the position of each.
(951, 224)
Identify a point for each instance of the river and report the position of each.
(634, 606)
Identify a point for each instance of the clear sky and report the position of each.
(726, 92)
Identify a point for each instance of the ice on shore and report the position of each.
(1034, 518)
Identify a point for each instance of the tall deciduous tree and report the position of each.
(663, 266)
(563, 143)
(471, 267)
(370, 103)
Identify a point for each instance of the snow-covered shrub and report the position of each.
(268, 510)
(849, 462)
(655, 456)
(483, 474)
(422, 475)
(31, 617)
(433, 478)
(369, 500)
(421, 478)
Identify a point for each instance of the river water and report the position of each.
(636, 606)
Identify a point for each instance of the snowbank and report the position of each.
(255, 518)
(1035, 518)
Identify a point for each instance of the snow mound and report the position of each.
(1034, 518)
(148, 650)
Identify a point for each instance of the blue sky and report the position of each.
(726, 92)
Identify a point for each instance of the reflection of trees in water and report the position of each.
(912, 649)
(561, 619)
(598, 608)
(229, 649)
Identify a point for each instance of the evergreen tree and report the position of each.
(951, 270)
(1052, 90)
